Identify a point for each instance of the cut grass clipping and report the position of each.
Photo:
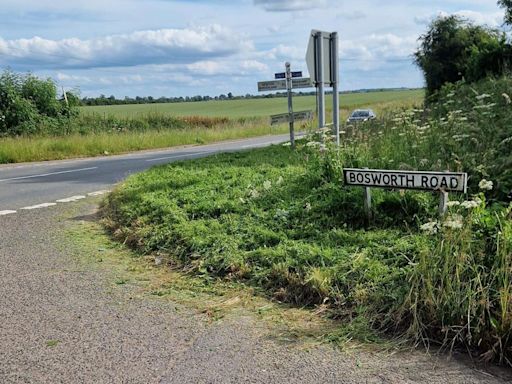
(283, 221)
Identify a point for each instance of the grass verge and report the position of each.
(16, 150)
(282, 221)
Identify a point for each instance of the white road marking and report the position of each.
(43, 205)
(71, 199)
(6, 212)
(49, 174)
(178, 156)
(98, 193)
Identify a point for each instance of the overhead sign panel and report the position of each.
(280, 75)
(430, 181)
(297, 74)
(285, 117)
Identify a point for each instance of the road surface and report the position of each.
(39, 185)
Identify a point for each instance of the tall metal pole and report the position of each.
(290, 105)
(319, 67)
(335, 86)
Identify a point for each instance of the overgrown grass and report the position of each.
(15, 150)
(283, 220)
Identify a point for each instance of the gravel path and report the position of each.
(63, 323)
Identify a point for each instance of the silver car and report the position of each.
(361, 115)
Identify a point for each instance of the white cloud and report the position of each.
(289, 5)
(136, 48)
(491, 19)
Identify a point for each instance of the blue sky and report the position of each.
(208, 47)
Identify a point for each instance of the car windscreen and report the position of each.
(360, 114)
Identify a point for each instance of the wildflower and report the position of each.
(287, 144)
(483, 96)
(401, 134)
(307, 207)
(313, 144)
(453, 222)
(254, 193)
(452, 203)
(423, 162)
(322, 148)
(267, 184)
(280, 180)
(485, 185)
(469, 204)
(431, 227)
(506, 97)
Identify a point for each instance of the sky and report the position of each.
(211, 47)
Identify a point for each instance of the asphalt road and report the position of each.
(37, 185)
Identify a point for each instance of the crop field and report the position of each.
(259, 107)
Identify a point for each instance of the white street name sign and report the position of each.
(304, 82)
(285, 117)
(430, 181)
(277, 85)
(274, 85)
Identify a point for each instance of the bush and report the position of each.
(454, 49)
(29, 105)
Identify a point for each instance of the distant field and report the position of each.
(259, 107)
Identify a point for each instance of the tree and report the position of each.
(454, 49)
(507, 4)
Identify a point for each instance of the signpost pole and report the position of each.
(319, 68)
(443, 200)
(290, 104)
(335, 86)
(368, 203)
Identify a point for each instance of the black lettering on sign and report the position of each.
(351, 177)
(393, 180)
(444, 182)
(402, 177)
(359, 178)
(434, 182)
(367, 179)
(410, 180)
(376, 177)
(385, 179)
(424, 182)
(454, 183)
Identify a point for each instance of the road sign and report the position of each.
(304, 82)
(297, 74)
(430, 181)
(285, 117)
(311, 56)
(280, 75)
(274, 85)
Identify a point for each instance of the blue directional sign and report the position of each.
(281, 75)
(297, 74)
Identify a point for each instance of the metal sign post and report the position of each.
(322, 61)
(335, 86)
(319, 77)
(290, 104)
